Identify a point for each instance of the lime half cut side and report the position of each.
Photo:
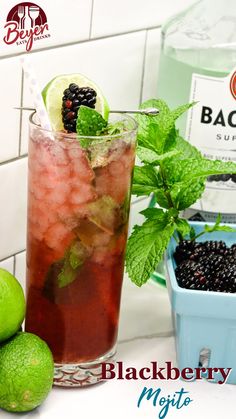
(53, 93)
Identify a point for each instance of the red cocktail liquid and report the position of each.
(78, 206)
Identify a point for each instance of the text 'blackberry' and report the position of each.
(73, 97)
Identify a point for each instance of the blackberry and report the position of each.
(73, 97)
(188, 249)
(230, 254)
(218, 178)
(208, 266)
(183, 251)
(225, 280)
(225, 178)
(212, 263)
(198, 252)
(214, 178)
(192, 275)
(217, 247)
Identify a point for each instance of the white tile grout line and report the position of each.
(21, 111)
(2, 163)
(142, 198)
(3, 57)
(143, 68)
(14, 265)
(91, 19)
(13, 256)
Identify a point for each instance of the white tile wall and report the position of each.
(13, 207)
(10, 82)
(135, 217)
(111, 17)
(114, 63)
(8, 264)
(124, 65)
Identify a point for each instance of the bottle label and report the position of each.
(211, 127)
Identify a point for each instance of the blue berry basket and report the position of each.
(203, 319)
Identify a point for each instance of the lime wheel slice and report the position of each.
(53, 93)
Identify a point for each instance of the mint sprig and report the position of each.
(211, 229)
(91, 123)
(175, 172)
(146, 180)
(147, 244)
(156, 133)
(149, 156)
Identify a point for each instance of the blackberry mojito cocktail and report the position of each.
(78, 208)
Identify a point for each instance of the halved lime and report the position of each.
(53, 93)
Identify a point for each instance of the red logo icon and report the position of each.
(233, 85)
(26, 23)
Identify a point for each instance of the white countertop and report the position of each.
(145, 335)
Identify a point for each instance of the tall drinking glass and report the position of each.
(78, 209)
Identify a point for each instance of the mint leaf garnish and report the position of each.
(89, 123)
(73, 261)
(77, 254)
(192, 234)
(105, 214)
(186, 150)
(211, 229)
(146, 246)
(183, 227)
(67, 275)
(228, 229)
(156, 132)
(115, 128)
(184, 195)
(218, 227)
(190, 169)
(154, 214)
(146, 180)
(149, 156)
(182, 109)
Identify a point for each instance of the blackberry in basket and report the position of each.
(206, 266)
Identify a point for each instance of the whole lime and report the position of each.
(26, 372)
(12, 305)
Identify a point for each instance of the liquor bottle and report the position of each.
(27, 21)
(198, 63)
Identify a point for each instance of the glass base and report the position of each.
(81, 375)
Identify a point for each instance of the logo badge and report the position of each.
(233, 85)
(26, 23)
